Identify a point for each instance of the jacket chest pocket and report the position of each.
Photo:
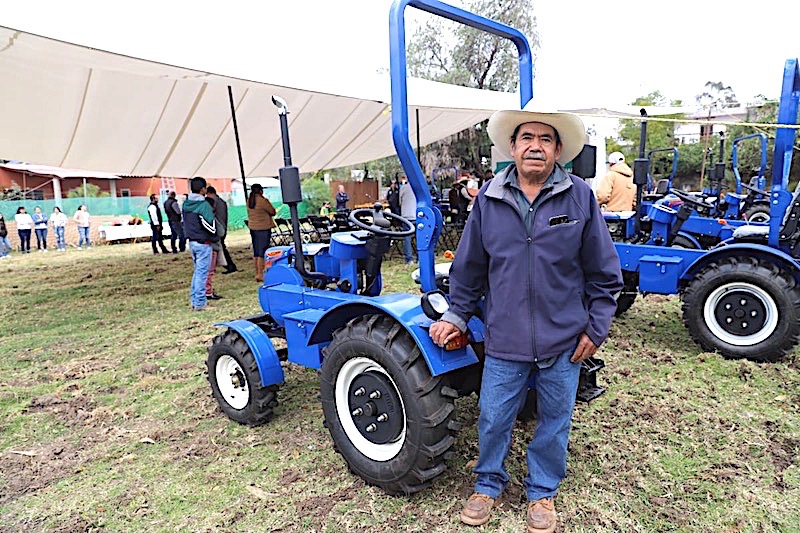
(564, 235)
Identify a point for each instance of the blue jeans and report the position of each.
(201, 257)
(503, 391)
(61, 243)
(5, 246)
(83, 233)
(41, 238)
(176, 231)
(408, 250)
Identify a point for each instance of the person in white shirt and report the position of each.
(59, 220)
(24, 227)
(82, 218)
(156, 224)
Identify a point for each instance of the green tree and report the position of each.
(659, 134)
(315, 193)
(716, 96)
(444, 51)
(91, 191)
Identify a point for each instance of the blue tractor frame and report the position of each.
(742, 297)
(387, 390)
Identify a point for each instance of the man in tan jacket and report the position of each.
(616, 191)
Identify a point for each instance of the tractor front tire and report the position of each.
(744, 308)
(388, 417)
(236, 382)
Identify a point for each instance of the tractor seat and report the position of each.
(751, 232)
(441, 272)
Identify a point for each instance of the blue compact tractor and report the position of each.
(387, 390)
(741, 297)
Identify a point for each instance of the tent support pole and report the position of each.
(238, 145)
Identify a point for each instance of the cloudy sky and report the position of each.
(593, 54)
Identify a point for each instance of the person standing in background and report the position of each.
(341, 199)
(59, 221)
(259, 219)
(83, 219)
(5, 244)
(200, 229)
(616, 191)
(393, 198)
(221, 213)
(40, 226)
(217, 258)
(24, 226)
(408, 210)
(156, 223)
(175, 219)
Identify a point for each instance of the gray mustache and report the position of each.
(536, 156)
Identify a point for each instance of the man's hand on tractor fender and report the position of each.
(442, 332)
(585, 349)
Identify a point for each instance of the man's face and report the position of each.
(535, 150)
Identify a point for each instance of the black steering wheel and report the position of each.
(755, 189)
(691, 200)
(382, 222)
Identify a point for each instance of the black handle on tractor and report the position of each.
(292, 195)
(640, 168)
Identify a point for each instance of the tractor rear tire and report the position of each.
(758, 213)
(737, 295)
(236, 382)
(388, 417)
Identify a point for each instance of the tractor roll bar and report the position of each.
(429, 220)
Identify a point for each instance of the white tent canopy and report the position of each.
(74, 106)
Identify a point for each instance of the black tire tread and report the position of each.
(434, 436)
(769, 352)
(263, 398)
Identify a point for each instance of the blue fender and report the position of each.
(405, 309)
(269, 365)
(744, 250)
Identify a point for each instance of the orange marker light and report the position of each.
(459, 342)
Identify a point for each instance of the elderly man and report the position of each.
(537, 248)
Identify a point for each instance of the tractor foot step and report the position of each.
(587, 394)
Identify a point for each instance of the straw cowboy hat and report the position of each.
(570, 129)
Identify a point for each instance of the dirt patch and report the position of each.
(319, 507)
(73, 411)
(78, 369)
(30, 469)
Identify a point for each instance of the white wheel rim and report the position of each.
(227, 371)
(349, 371)
(748, 290)
(759, 217)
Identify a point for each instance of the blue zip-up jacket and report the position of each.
(198, 220)
(542, 289)
(39, 221)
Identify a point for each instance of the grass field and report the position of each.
(107, 422)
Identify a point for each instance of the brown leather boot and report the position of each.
(542, 516)
(478, 510)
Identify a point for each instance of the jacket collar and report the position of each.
(498, 190)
